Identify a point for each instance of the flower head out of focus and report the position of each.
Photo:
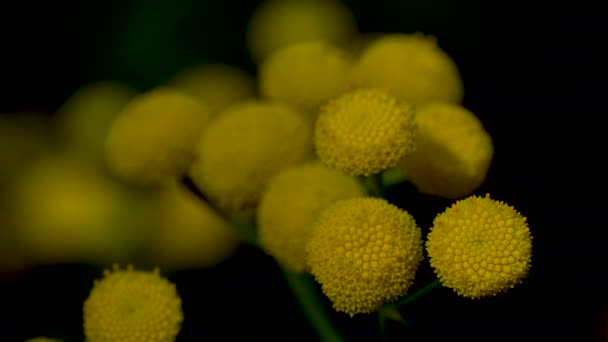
(132, 306)
(364, 252)
(480, 247)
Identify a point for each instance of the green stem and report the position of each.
(374, 184)
(306, 293)
(419, 293)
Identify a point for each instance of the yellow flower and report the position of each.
(278, 23)
(132, 306)
(43, 339)
(364, 132)
(320, 69)
(480, 247)
(152, 140)
(187, 233)
(292, 202)
(242, 148)
(410, 66)
(453, 151)
(364, 252)
(216, 86)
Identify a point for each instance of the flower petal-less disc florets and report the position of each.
(132, 306)
(364, 132)
(480, 247)
(364, 252)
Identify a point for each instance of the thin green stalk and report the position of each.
(419, 293)
(306, 293)
(374, 184)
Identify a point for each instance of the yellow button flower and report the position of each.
(291, 203)
(132, 306)
(364, 132)
(410, 66)
(480, 247)
(243, 148)
(320, 69)
(152, 140)
(453, 151)
(364, 252)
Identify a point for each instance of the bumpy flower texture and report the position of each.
(364, 252)
(132, 306)
(480, 247)
(365, 131)
(293, 200)
(453, 151)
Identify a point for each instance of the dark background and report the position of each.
(532, 74)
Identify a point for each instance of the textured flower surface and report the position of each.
(364, 132)
(132, 306)
(411, 66)
(293, 200)
(453, 151)
(243, 148)
(364, 252)
(320, 68)
(480, 247)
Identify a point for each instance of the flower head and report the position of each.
(453, 151)
(152, 140)
(243, 148)
(365, 131)
(480, 247)
(410, 66)
(364, 252)
(293, 200)
(132, 306)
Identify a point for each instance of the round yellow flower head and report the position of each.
(278, 23)
(320, 69)
(84, 120)
(453, 151)
(409, 66)
(43, 339)
(480, 247)
(291, 203)
(365, 131)
(243, 148)
(188, 233)
(152, 140)
(364, 252)
(132, 306)
(216, 86)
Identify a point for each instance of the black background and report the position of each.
(532, 74)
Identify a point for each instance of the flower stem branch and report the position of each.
(419, 293)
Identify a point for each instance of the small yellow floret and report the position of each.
(278, 23)
(292, 202)
(243, 147)
(132, 306)
(305, 75)
(453, 151)
(410, 66)
(152, 140)
(364, 132)
(480, 247)
(364, 252)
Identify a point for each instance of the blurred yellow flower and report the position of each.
(480, 247)
(364, 252)
(132, 306)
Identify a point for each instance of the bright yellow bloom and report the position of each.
(320, 69)
(292, 202)
(410, 66)
(43, 339)
(216, 86)
(152, 140)
(453, 151)
(364, 252)
(243, 148)
(480, 247)
(364, 132)
(132, 306)
(278, 23)
(187, 233)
